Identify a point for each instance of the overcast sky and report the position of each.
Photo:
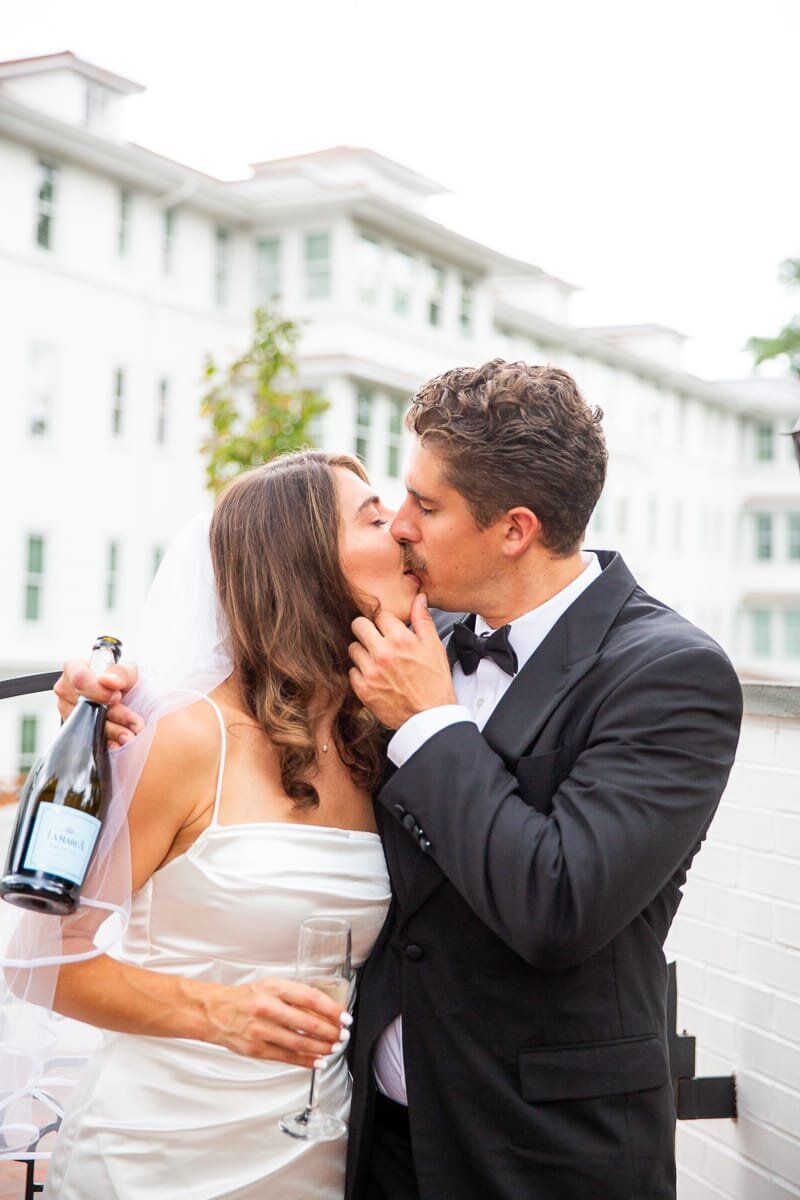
(645, 150)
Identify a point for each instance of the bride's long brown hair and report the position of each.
(288, 605)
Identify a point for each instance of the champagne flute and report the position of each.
(323, 962)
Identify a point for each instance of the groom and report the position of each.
(546, 801)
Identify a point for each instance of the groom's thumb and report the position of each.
(421, 619)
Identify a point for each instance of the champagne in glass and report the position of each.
(323, 962)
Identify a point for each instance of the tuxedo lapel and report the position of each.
(566, 654)
(570, 650)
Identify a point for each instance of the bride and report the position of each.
(252, 811)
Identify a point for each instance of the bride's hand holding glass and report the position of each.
(281, 1019)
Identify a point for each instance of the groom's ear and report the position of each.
(522, 529)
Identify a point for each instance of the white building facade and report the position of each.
(120, 271)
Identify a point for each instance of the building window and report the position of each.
(761, 632)
(394, 446)
(436, 295)
(28, 742)
(124, 222)
(222, 253)
(364, 403)
(652, 521)
(370, 256)
(162, 411)
(318, 265)
(46, 205)
(762, 531)
(765, 441)
(112, 574)
(34, 579)
(791, 632)
(158, 555)
(168, 235)
(268, 269)
(95, 106)
(677, 525)
(465, 314)
(402, 282)
(118, 406)
(41, 388)
(793, 535)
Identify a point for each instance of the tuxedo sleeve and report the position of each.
(631, 813)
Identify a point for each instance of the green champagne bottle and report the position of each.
(62, 807)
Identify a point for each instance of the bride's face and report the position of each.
(371, 559)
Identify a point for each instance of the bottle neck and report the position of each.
(102, 658)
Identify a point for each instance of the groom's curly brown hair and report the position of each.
(512, 434)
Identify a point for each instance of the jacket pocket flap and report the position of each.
(595, 1069)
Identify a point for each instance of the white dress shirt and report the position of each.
(478, 695)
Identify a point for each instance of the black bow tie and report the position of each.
(469, 649)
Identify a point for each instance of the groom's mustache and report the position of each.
(412, 563)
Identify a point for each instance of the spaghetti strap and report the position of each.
(223, 749)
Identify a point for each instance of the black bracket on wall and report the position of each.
(695, 1099)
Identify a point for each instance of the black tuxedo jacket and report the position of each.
(536, 870)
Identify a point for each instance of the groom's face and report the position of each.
(457, 563)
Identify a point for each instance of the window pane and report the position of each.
(35, 555)
(791, 632)
(793, 540)
(27, 738)
(118, 405)
(162, 410)
(123, 222)
(32, 602)
(46, 203)
(436, 299)
(221, 262)
(268, 269)
(762, 525)
(465, 311)
(364, 399)
(765, 441)
(318, 270)
(41, 387)
(369, 269)
(761, 631)
(28, 741)
(168, 241)
(402, 282)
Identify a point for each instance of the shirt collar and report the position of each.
(529, 631)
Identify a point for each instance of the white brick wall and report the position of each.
(736, 941)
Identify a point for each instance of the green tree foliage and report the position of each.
(787, 342)
(254, 407)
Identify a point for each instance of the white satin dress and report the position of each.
(171, 1119)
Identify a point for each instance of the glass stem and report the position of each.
(313, 1099)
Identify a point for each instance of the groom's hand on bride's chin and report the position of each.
(77, 680)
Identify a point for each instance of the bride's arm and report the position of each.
(175, 796)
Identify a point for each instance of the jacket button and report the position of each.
(414, 952)
(409, 822)
(424, 844)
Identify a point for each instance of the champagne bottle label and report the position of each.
(61, 842)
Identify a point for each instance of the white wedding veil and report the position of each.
(181, 649)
